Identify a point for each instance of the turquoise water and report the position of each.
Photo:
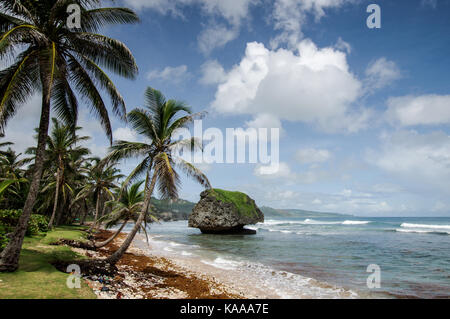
(412, 253)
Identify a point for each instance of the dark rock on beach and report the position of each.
(225, 212)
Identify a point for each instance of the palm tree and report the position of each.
(100, 181)
(61, 148)
(157, 123)
(3, 153)
(127, 207)
(13, 181)
(56, 60)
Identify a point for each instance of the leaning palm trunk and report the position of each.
(97, 208)
(85, 213)
(9, 258)
(55, 204)
(101, 216)
(117, 255)
(110, 239)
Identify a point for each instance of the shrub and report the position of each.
(10, 217)
(37, 223)
(3, 239)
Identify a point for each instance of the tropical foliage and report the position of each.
(61, 63)
(57, 182)
(76, 187)
(156, 123)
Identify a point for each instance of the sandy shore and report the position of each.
(145, 274)
(152, 271)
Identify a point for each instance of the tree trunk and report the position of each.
(9, 258)
(55, 204)
(110, 239)
(97, 208)
(103, 213)
(85, 213)
(59, 214)
(115, 257)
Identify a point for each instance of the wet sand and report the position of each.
(144, 275)
(151, 271)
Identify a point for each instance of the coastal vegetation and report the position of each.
(88, 187)
(57, 194)
(63, 64)
(36, 268)
(58, 182)
(241, 201)
(157, 122)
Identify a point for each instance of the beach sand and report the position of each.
(146, 274)
(148, 271)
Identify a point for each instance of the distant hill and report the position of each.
(167, 210)
(270, 212)
(180, 209)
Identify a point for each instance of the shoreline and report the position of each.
(256, 281)
(143, 275)
(147, 271)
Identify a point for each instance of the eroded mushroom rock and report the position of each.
(225, 212)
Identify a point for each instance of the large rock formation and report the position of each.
(225, 212)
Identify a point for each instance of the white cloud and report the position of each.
(386, 188)
(311, 156)
(290, 15)
(314, 86)
(343, 46)
(216, 36)
(353, 203)
(173, 7)
(264, 121)
(274, 171)
(421, 160)
(232, 10)
(419, 110)
(212, 72)
(251, 131)
(380, 73)
(171, 74)
(125, 134)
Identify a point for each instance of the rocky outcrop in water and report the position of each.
(225, 212)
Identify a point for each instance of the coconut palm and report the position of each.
(156, 123)
(101, 180)
(49, 56)
(3, 153)
(61, 149)
(13, 181)
(128, 206)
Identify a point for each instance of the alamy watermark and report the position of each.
(374, 279)
(74, 18)
(74, 279)
(237, 145)
(374, 19)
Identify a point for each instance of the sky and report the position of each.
(364, 113)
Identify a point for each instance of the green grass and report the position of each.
(244, 206)
(36, 277)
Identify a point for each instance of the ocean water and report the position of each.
(326, 257)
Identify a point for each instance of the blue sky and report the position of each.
(364, 113)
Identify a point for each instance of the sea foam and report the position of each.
(408, 225)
